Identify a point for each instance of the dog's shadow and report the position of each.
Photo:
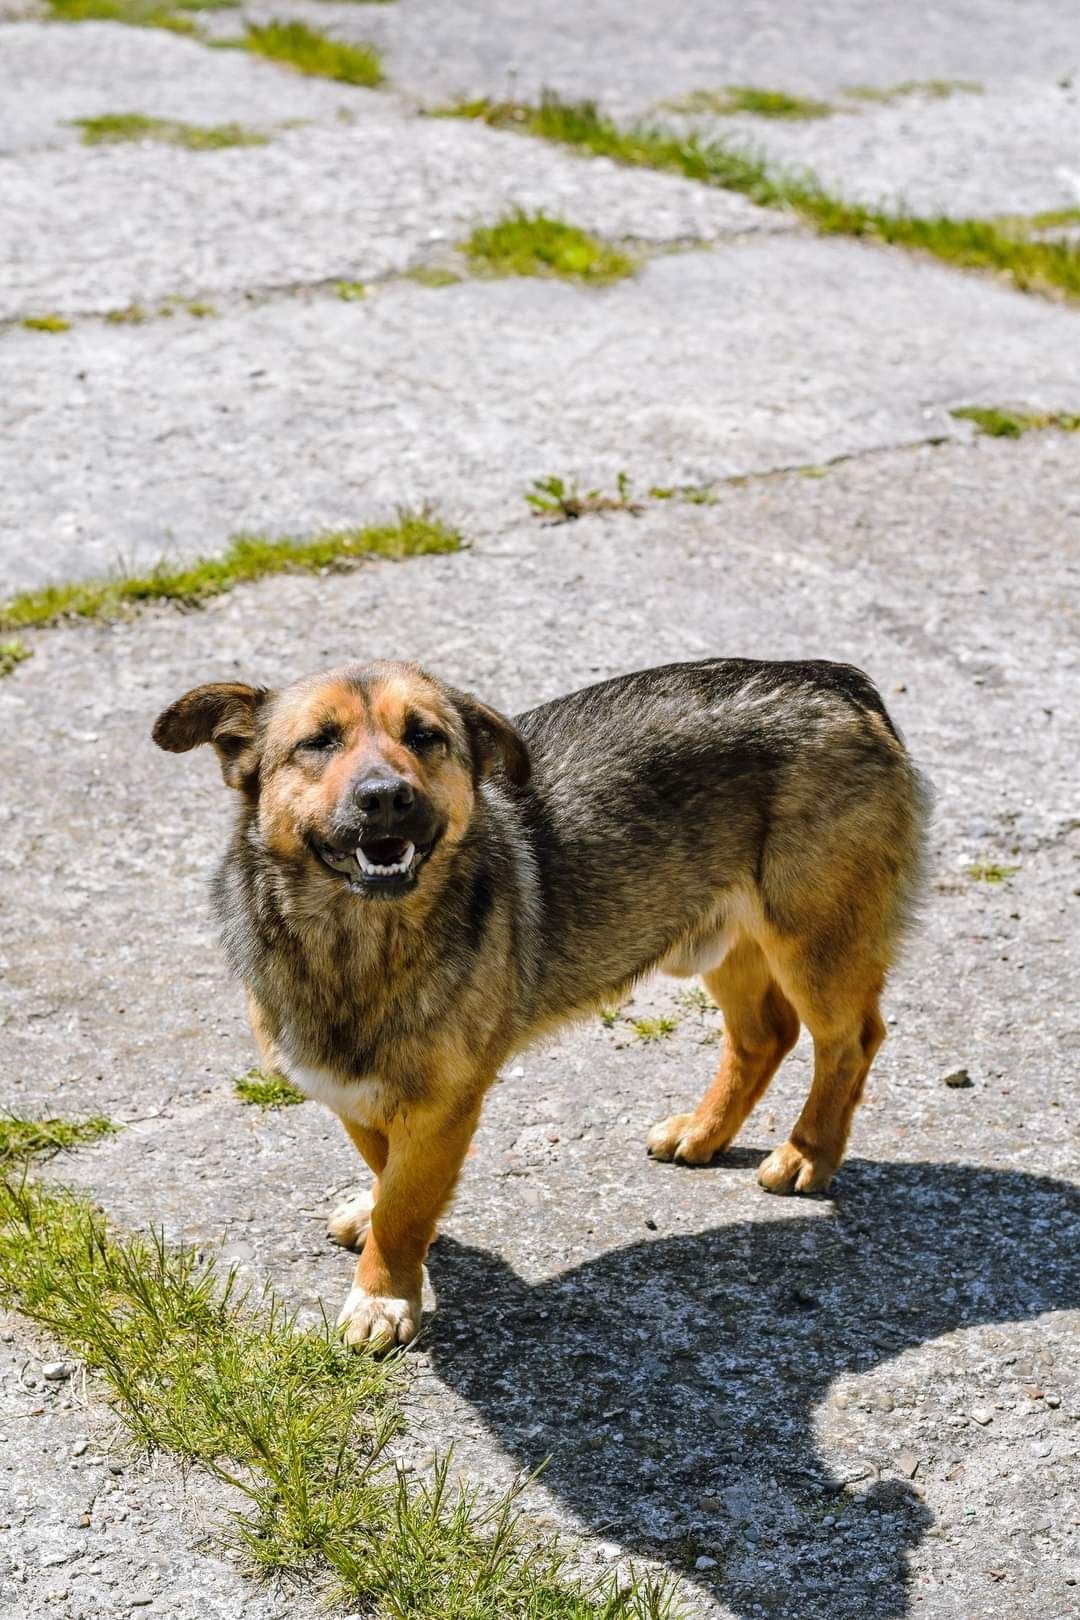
(673, 1383)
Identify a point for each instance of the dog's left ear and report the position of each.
(225, 714)
(496, 742)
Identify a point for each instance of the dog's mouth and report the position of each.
(376, 865)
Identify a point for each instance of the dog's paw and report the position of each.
(349, 1223)
(378, 1320)
(679, 1138)
(788, 1170)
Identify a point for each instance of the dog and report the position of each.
(418, 887)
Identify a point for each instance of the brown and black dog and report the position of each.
(418, 887)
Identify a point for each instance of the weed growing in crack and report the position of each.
(553, 500)
(990, 872)
(12, 654)
(538, 245)
(1032, 265)
(45, 323)
(248, 558)
(174, 15)
(653, 1029)
(112, 128)
(747, 98)
(305, 50)
(928, 89)
(998, 423)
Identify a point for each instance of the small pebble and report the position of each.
(56, 1371)
(959, 1080)
(981, 1414)
(1053, 1400)
(704, 1563)
(80, 1448)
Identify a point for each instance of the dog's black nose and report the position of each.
(383, 801)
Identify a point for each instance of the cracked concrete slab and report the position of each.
(790, 1386)
(128, 444)
(632, 56)
(1013, 150)
(54, 73)
(363, 199)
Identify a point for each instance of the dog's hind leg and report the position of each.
(841, 1013)
(760, 1028)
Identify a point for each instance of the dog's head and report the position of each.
(363, 774)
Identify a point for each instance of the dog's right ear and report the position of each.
(225, 714)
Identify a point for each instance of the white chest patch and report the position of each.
(359, 1100)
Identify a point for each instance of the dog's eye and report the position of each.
(422, 739)
(322, 741)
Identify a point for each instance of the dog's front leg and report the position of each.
(425, 1149)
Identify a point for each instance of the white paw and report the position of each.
(378, 1320)
(349, 1223)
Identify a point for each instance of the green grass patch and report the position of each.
(747, 98)
(694, 999)
(267, 1090)
(131, 315)
(199, 311)
(248, 558)
(22, 1139)
(972, 244)
(175, 16)
(350, 292)
(555, 500)
(928, 89)
(1004, 424)
(296, 1424)
(654, 1029)
(13, 653)
(304, 49)
(536, 245)
(685, 494)
(45, 323)
(110, 128)
(426, 275)
(990, 872)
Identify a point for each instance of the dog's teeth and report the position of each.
(393, 870)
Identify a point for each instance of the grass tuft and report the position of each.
(304, 49)
(350, 292)
(553, 500)
(267, 1090)
(537, 245)
(1032, 265)
(110, 128)
(293, 1421)
(13, 653)
(654, 1029)
(173, 15)
(22, 1139)
(991, 872)
(929, 89)
(747, 98)
(248, 558)
(46, 323)
(426, 275)
(1005, 424)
